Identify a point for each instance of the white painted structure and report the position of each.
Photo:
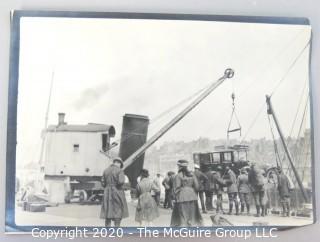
(74, 153)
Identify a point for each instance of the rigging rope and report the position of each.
(297, 156)
(299, 105)
(296, 117)
(279, 83)
(290, 67)
(254, 81)
(306, 142)
(278, 160)
(253, 122)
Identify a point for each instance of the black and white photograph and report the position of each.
(162, 122)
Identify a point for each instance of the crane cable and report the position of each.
(161, 115)
(233, 114)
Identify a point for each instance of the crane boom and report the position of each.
(229, 73)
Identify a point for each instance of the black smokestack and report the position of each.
(61, 117)
(133, 136)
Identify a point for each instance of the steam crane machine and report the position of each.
(75, 155)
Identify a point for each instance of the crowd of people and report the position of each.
(184, 190)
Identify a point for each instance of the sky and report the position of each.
(104, 68)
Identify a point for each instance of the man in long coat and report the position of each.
(244, 190)
(232, 190)
(219, 183)
(114, 205)
(209, 188)
(168, 190)
(284, 192)
(256, 182)
(202, 180)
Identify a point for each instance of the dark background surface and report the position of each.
(276, 8)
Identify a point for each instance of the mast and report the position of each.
(271, 112)
(43, 135)
(229, 73)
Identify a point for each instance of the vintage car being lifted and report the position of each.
(236, 157)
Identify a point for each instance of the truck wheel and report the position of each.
(67, 199)
(83, 196)
(272, 176)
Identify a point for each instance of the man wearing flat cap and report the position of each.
(114, 206)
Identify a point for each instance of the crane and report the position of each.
(229, 73)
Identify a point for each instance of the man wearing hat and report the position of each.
(209, 188)
(114, 206)
(244, 190)
(284, 189)
(167, 183)
(232, 190)
(256, 182)
(218, 188)
(202, 180)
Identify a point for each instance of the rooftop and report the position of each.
(90, 127)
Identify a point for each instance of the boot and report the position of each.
(221, 208)
(218, 210)
(209, 204)
(288, 210)
(258, 211)
(107, 222)
(117, 222)
(242, 208)
(218, 207)
(248, 209)
(283, 210)
(237, 209)
(230, 208)
(262, 210)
